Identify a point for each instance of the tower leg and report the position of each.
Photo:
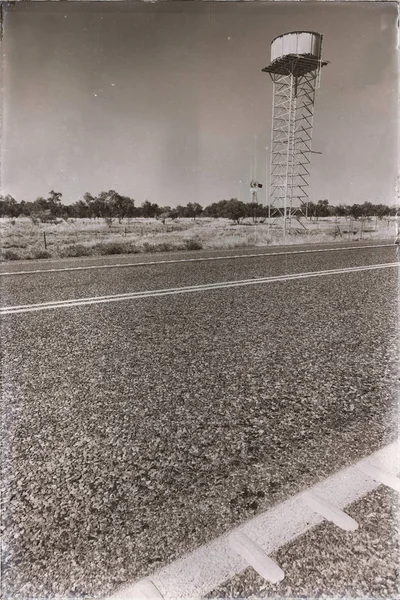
(291, 137)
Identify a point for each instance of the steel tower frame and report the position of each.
(294, 85)
(291, 143)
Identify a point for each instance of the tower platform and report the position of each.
(295, 64)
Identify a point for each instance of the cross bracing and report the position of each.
(291, 140)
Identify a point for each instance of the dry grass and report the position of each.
(22, 240)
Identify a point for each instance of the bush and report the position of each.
(10, 255)
(74, 251)
(115, 248)
(193, 244)
(41, 254)
(162, 247)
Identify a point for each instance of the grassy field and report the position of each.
(21, 239)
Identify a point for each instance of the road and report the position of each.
(140, 429)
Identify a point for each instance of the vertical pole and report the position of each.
(266, 185)
(271, 158)
(269, 216)
(44, 238)
(289, 134)
(284, 220)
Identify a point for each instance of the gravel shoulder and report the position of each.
(330, 563)
(22, 265)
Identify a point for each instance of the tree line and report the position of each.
(112, 206)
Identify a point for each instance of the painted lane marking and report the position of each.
(22, 308)
(256, 557)
(199, 572)
(382, 476)
(329, 511)
(144, 590)
(189, 260)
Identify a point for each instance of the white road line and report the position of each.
(189, 260)
(256, 557)
(23, 308)
(198, 573)
(382, 476)
(145, 589)
(329, 511)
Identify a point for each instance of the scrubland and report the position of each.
(21, 239)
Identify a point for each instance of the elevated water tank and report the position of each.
(296, 52)
(296, 42)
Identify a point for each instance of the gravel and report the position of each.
(328, 562)
(22, 265)
(136, 432)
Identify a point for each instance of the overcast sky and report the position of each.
(167, 101)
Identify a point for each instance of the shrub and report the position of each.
(74, 251)
(193, 244)
(115, 248)
(162, 247)
(10, 255)
(41, 254)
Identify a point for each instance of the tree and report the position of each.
(355, 211)
(54, 203)
(173, 214)
(149, 210)
(381, 210)
(193, 210)
(125, 207)
(9, 207)
(180, 211)
(310, 209)
(368, 209)
(256, 210)
(106, 205)
(341, 210)
(322, 208)
(235, 209)
(41, 211)
(88, 205)
(80, 210)
(215, 209)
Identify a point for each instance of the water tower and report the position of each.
(295, 70)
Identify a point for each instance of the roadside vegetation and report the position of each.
(111, 224)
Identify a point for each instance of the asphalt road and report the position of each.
(66, 284)
(137, 431)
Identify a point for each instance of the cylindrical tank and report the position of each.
(296, 42)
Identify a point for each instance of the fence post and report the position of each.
(44, 238)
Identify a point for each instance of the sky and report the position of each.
(167, 102)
